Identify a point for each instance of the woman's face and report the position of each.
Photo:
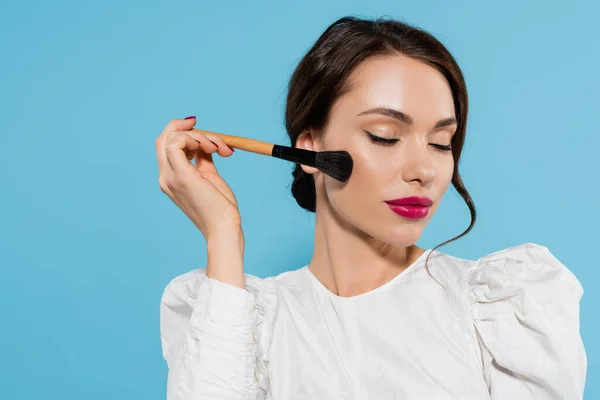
(409, 104)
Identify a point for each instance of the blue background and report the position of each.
(88, 241)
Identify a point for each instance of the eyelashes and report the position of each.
(390, 142)
(381, 141)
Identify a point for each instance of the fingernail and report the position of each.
(232, 149)
(191, 117)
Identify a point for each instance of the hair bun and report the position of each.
(303, 189)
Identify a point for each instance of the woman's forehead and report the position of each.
(401, 83)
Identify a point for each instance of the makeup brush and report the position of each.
(337, 164)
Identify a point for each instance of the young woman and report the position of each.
(372, 316)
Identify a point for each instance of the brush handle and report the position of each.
(300, 156)
(251, 145)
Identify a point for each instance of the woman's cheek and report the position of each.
(445, 168)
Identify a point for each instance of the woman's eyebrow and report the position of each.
(389, 112)
(405, 118)
(445, 122)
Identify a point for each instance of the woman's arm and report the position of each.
(208, 333)
(208, 318)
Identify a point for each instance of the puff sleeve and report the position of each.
(215, 337)
(525, 309)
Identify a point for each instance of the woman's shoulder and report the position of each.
(527, 265)
(194, 290)
(522, 265)
(519, 292)
(524, 304)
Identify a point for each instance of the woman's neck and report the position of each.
(348, 262)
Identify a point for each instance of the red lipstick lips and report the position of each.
(410, 207)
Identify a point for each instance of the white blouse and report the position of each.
(504, 327)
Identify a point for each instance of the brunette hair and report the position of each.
(322, 75)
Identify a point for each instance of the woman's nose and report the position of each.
(417, 164)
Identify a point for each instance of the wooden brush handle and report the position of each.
(251, 145)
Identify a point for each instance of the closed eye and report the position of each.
(392, 141)
(442, 147)
(381, 141)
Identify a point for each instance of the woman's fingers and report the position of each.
(181, 173)
(173, 125)
(222, 148)
(180, 147)
(199, 192)
(204, 160)
(180, 125)
(176, 148)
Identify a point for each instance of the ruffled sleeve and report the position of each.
(525, 308)
(215, 337)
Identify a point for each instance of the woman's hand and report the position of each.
(203, 195)
(197, 189)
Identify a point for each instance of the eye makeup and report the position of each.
(380, 140)
(392, 141)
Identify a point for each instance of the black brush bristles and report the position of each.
(337, 164)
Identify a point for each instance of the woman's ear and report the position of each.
(307, 140)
